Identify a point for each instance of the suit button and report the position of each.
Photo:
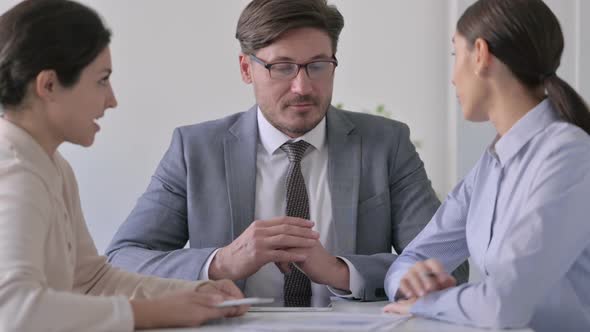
(69, 246)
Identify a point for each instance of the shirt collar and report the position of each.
(272, 138)
(28, 150)
(537, 119)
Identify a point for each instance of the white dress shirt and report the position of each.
(49, 266)
(271, 171)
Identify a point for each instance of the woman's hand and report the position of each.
(188, 308)
(226, 288)
(400, 307)
(423, 278)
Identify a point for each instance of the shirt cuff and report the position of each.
(426, 306)
(204, 274)
(392, 288)
(356, 283)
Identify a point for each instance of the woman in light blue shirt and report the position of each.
(522, 214)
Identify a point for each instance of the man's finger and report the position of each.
(287, 241)
(286, 229)
(284, 220)
(282, 256)
(284, 267)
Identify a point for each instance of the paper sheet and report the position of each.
(294, 322)
(288, 309)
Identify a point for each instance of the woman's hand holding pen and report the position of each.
(423, 278)
(187, 308)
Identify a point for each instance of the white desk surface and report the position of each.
(413, 324)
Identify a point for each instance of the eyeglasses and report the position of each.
(316, 70)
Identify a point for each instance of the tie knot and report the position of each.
(295, 150)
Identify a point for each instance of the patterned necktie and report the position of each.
(297, 288)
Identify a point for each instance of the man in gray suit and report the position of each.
(243, 189)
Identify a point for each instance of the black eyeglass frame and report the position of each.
(268, 66)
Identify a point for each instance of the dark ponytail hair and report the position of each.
(38, 35)
(526, 36)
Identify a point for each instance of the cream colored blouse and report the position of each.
(50, 271)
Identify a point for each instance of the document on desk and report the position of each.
(339, 322)
(288, 309)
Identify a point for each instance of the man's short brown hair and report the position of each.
(263, 21)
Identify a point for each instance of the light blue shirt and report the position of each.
(523, 215)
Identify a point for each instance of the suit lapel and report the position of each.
(239, 149)
(344, 168)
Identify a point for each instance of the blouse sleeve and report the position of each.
(27, 302)
(93, 275)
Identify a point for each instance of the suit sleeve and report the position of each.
(413, 203)
(152, 239)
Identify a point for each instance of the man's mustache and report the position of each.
(301, 99)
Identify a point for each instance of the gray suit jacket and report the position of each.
(203, 191)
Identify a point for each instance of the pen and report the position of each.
(429, 274)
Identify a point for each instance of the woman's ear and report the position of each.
(46, 84)
(482, 54)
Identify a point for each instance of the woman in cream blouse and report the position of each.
(54, 83)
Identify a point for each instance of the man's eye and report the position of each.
(283, 68)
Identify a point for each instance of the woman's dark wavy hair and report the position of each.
(526, 36)
(37, 35)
